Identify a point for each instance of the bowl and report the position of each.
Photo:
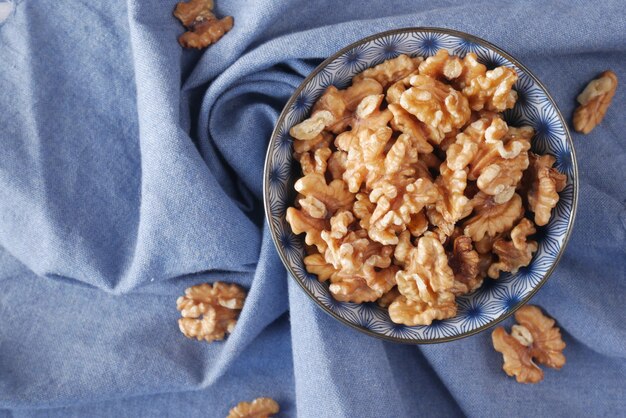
(496, 299)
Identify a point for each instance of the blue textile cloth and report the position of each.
(131, 169)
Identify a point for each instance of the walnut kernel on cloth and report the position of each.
(535, 338)
(594, 102)
(210, 311)
(414, 188)
(258, 408)
(204, 28)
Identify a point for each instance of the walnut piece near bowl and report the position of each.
(535, 338)
(594, 102)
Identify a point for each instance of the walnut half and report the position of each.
(542, 182)
(219, 306)
(425, 285)
(464, 261)
(515, 253)
(536, 338)
(204, 28)
(258, 408)
(594, 102)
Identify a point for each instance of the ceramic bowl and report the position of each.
(496, 299)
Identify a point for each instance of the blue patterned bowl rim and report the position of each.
(474, 40)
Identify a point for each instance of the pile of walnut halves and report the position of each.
(414, 188)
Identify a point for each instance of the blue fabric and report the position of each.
(131, 169)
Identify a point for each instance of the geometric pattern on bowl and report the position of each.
(496, 299)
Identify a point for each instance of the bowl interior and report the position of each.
(496, 299)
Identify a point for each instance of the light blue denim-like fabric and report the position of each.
(131, 169)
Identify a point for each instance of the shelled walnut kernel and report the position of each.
(203, 27)
(258, 408)
(209, 312)
(536, 338)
